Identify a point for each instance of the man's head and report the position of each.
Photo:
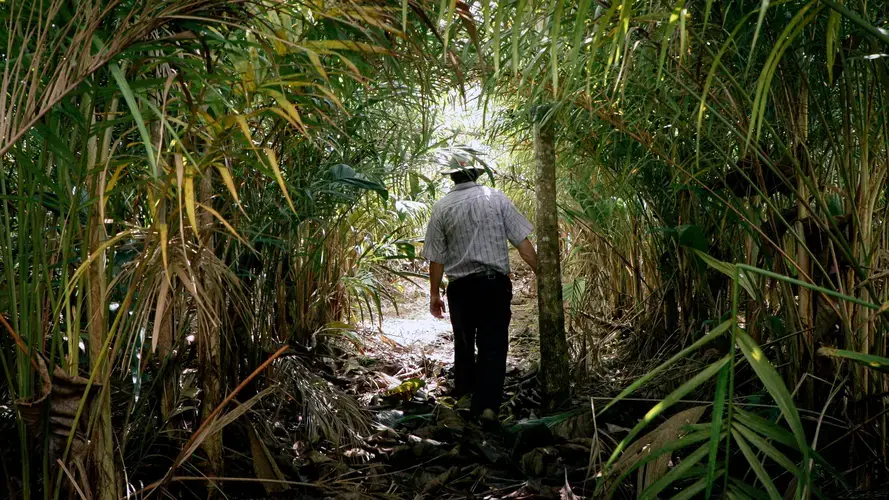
(461, 170)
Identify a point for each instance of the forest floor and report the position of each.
(422, 443)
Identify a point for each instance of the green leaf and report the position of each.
(775, 385)
(676, 473)
(348, 175)
(128, 96)
(757, 467)
(692, 236)
(716, 332)
(833, 32)
(669, 400)
(693, 489)
(668, 34)
(555, 36)
(767, 448)
(878, 363)
(716, 426)
(746, 281)
(765, 427)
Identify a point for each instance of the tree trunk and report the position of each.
(209, 350)
(97, 326)
(553, 346)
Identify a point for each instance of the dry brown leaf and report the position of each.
(668, 431)
(264, 465)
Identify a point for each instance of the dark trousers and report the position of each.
(480, 314)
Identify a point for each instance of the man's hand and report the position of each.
(529, 255)
(436, 306)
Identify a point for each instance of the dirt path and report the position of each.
(422, 444)
(419, 339)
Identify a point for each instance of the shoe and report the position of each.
(488, 419)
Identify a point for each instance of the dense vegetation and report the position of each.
(198, 197)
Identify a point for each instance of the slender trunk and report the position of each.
(210, 352)
(97, 326)
(805, 306)
(553, 346)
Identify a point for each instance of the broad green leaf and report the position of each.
(878, 363)
(404, 7)
(833, 33)
(668, 35)
(128, 96)
(715, 333)
(692, 384)
(516, 33)
(347, 175)
(555, 37)
(767, 448)
(716, 426)
(810, 286)
(579, 30)
(880, 34)
(692, 236)
(775, 385)
(449, 21)
(693, 489)
(683, 442)
(498, 24)
(765, 427)
(742, 490)
(763, 7)
(746, 281)
(757, 467)
(675, 474)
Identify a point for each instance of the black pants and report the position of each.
(480, 314)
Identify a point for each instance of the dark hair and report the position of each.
(468, 175)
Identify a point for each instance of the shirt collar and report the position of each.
(464, 185)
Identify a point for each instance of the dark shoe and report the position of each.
(488, 419)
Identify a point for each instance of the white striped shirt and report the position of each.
(469, 228)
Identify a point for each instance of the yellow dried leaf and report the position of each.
(273, 162)
(291, 110)
(190, 203)
(229, 183)
(159, 312)
(163, 229)
(346, 45)
(316, 61)
(114, 178)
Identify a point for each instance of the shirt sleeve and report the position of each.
(517, 226)
(435, 245)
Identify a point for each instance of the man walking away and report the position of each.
(467, 239)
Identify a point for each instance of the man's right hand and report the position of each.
(436, 306)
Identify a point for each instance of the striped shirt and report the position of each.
(469, 228)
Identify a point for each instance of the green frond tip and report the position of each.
(877, 363)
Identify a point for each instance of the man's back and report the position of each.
(469, 229)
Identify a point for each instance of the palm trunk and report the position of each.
(553, 346)
(97, 326)
(210, 351)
